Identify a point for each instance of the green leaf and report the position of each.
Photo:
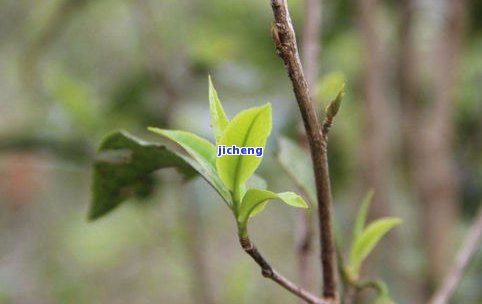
(370, 237)
(362, 215)
(250, 128)
(252, 200)
(219, 120)
(297, 164)
(203, 152)
(255, 200)
(122, 161)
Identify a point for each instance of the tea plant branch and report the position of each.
(465, 254)
(268, 272)
(285, 40)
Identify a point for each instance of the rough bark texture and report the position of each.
(427, 81)
(285, 40)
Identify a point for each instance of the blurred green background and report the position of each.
(73, 70)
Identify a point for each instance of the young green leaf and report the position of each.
(121, 162)
(203, 152)
(334, 106)
(362, 215)
(296, 163)
(369, 238)
(250, 128)
(255, 200)
(219, 120)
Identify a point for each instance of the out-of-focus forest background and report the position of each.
(73, 70)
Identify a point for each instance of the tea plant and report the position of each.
(125, 163)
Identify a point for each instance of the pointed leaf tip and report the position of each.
(366, 242)
(335, 105)
(219, 120)
(362, 214)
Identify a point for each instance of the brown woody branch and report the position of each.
(268, 272)
(285, 41)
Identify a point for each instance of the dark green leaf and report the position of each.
(122, 161)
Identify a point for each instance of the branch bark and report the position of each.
(268, 272)
(285, 41)
(462, 260)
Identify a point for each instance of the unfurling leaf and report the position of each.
(250, 128)
(219, 120)
(122, 161)
(362, 215)
(203, 152)
(334, 106)
(255, 200)
(369, 238)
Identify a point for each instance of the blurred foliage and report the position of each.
(74, 70)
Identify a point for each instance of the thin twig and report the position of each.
(285, 40)
(466, 253)
(268, 272)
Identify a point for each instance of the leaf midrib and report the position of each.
(240, 158)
